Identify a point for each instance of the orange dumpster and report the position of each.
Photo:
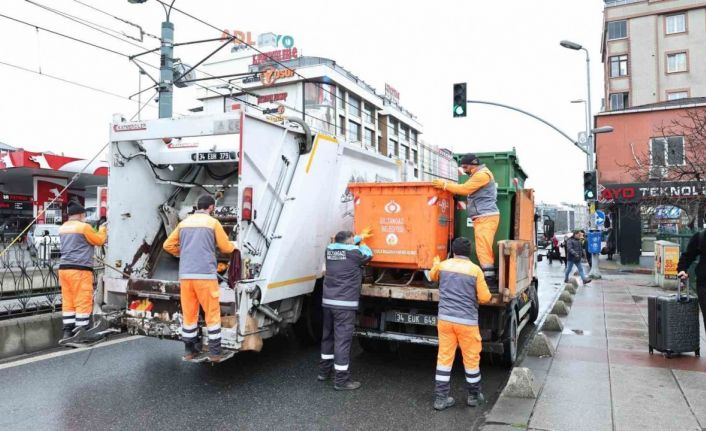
(412, 222)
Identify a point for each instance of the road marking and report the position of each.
(66, 352)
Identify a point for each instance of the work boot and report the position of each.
(188, 356)
(443, 403)
(350, 385)
(475, 399)
(322, 377)
(587, 281)
(220, 357)
(68, 333)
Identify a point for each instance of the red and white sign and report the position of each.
(271, 75)
(275, 56)
(54, 162)
(103, 201)
(45, 190)
(269, 98)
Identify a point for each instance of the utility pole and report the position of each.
(166, 70)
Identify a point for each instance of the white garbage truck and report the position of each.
(281, 195)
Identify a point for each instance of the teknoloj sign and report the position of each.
(637, 192)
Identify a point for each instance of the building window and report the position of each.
(405, 132)
(354, 104)
(405, 153)
(667, 151)
(368, 137)
(618, 66)
(617, 30)
(394, 125)
(676, 23)
(353, 131)
(676, 95)
(342, 125)
(341, 98)
(414, 138)
(368, 113)
(676, 62)
(618, 101)
(415, 156)
(396, 147)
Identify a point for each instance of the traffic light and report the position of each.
(460, 100)
(590, 186)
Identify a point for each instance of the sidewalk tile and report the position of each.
(571, 415)
(579, 370)
(592, 390)
(648, 398)
(693, 384)
(644, 359)
(573, 340)
(576, 353)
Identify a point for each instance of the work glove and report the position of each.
(436, 261)
(439, 184)
(683, 275)
(366, 233)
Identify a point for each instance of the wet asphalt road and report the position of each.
(142, 384)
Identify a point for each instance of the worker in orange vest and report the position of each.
(462, 288)
(78, 240)
(194, 241)
(481, 191)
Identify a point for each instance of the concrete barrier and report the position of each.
(29, 334)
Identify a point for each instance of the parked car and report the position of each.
(43, 237)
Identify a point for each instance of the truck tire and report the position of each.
(510, 340)
(309, 327)
(534, 298)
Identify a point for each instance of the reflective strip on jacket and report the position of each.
(77, 242)
(344, 275)
(462, 288)
(194, 241)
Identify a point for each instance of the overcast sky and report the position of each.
(507, 51)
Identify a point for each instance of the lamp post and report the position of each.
(590, 132)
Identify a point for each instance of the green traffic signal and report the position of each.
(459, 100)
(590, 185)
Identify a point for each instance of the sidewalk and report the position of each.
(602, 376)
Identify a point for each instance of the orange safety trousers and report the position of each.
(484, 229)
(451, 336)
(206, 294)
(76, 297)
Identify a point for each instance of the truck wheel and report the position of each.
(534, 298)
(309, 327)
(510, 340)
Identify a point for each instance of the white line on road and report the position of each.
(66, 352)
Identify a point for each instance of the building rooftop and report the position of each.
(612, 3)
(689, 102)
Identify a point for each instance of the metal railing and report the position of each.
(29, 280)
(612, 3)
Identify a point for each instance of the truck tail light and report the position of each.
(247, 204)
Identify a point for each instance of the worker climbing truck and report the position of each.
(281, 194)
(413, 224)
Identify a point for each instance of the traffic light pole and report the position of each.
(595, 272)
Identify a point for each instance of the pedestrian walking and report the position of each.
(574, 254)
(462, 288)
(78, 242)
(345, 259)
(481, 191)
(695, 248)
(194, 242)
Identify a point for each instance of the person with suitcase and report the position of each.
(695, 248)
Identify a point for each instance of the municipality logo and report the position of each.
(392, 207)
(392, 239)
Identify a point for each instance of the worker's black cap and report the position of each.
(470, 159)
(205, 201)
(75, 208)
(461, 247)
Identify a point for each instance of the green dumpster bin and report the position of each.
(503, 165)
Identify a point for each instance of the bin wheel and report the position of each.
(697, 352)
(651, 350)
(669, 355)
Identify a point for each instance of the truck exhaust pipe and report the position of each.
(303, 149)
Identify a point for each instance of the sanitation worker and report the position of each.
(462, 288)
(78, 240)
(194, 241)
(345, 259)
(482, 193)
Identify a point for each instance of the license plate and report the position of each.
(218, 156)
(411, 319)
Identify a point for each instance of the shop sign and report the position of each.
(671, 260)
(275, 56)
(278, 110)
(271, 75)
(391, 93)
(269, 98)
(636, 192)
(15, 198)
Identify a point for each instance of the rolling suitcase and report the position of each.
(674, 323)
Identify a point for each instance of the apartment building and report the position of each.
(653, 51)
